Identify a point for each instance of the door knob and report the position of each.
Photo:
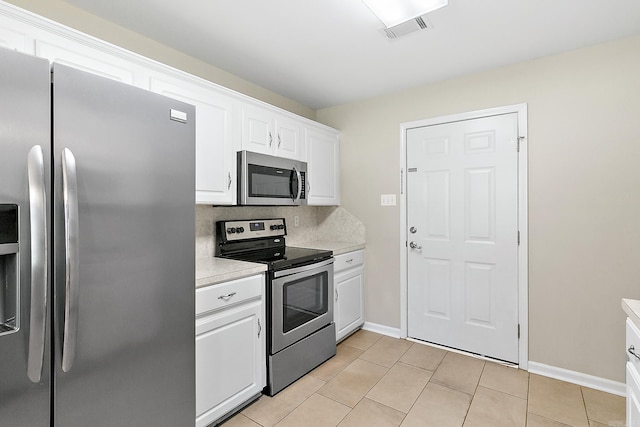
(413, 230)
(413, 245)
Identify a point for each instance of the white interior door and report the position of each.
(462, 220)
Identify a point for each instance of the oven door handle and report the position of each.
(290, 271)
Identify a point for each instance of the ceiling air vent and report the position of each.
(404, 28)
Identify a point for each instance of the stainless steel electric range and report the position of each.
(299, 289)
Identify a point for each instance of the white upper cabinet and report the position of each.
(15, 40)
(267, 131)
(86, 58)
(215, 147)
(289, 138)
(258, 128)
(323, 168)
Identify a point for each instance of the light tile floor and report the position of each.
(376, 381)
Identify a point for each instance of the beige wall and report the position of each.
(76, 18)
(584, 192)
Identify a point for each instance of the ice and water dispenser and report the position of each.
(9, 268)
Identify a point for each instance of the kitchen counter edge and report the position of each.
(632, 308)
(213, 270)
(338, 248)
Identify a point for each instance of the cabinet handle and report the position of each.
(349, 261)
(229, 183)
(279, 141)
(336, 295)
(226, 297)
(259, 328)
(270, 139)
(632, 351)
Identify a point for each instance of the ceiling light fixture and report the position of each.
(394, 12)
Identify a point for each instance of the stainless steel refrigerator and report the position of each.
(97, 287)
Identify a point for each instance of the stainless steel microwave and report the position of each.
(265, 180)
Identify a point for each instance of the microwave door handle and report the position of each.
(299, 176)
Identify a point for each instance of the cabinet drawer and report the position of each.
(348, 260)
(633, 339)
(226, 294)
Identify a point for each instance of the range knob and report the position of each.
(231, 230)
(273, 227)
(240, 230)
(280, 227)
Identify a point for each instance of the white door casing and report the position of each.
(464, 199)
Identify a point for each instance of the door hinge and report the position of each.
(518, 330)
(518, 237)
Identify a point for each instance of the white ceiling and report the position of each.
(327, 52)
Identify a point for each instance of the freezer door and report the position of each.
(124, 213)
(24, 184)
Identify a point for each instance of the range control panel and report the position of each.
(252, 229)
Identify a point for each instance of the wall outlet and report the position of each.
(387, 200)
(296, 221)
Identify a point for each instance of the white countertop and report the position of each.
(338, 248)
(213, 270)
(632, 308)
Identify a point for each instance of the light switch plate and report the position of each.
(387, 200)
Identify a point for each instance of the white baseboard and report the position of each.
(382, 329)
(578, 378)
(573, 377)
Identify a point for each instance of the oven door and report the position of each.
(301, 302)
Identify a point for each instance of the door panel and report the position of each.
(135, 351)
(462, 206)
(24, 123)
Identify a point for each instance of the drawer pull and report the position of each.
(632, 351)
(226, 297)
(349, 261)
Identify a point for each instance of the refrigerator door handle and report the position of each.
(38, 227)
(71, 241)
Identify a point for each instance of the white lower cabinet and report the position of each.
(348, 307)
(633, 374)
(230, 347)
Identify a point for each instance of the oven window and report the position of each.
(269, 182)
(304, 300)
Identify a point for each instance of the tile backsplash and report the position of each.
(327, 223)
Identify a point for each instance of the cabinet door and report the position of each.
(323, 158)
(633, 396)
(15, 40)
(348, 306)
(89, 59)
(258, 127)
(215, 148)
(289, 139)
(230, 360)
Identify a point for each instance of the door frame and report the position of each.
(523, 224)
